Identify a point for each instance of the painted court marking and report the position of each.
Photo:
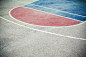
(40, 18)
(74, 7)
(35, 14)
(58, 10)
(53, 8)
(42, 30)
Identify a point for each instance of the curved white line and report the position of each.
(27, 2)
(42, 30)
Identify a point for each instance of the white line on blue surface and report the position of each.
(54, 9)
(58, 10)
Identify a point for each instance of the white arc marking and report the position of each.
(42, 30)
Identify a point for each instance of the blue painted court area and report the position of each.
(71, 9)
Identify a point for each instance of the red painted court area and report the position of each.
(35, 17)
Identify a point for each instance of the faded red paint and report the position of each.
(32, 16)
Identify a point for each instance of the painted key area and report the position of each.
(51, 13)
(41, 18)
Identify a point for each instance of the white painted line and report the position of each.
(27, 2)
(42, 30)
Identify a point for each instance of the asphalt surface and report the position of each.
(17, 39)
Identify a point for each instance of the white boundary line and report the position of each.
(27, 2)
(42, 30)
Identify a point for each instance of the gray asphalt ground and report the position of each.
(20, 41)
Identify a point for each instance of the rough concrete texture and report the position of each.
(18, 41)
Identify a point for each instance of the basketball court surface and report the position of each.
(42, 28)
